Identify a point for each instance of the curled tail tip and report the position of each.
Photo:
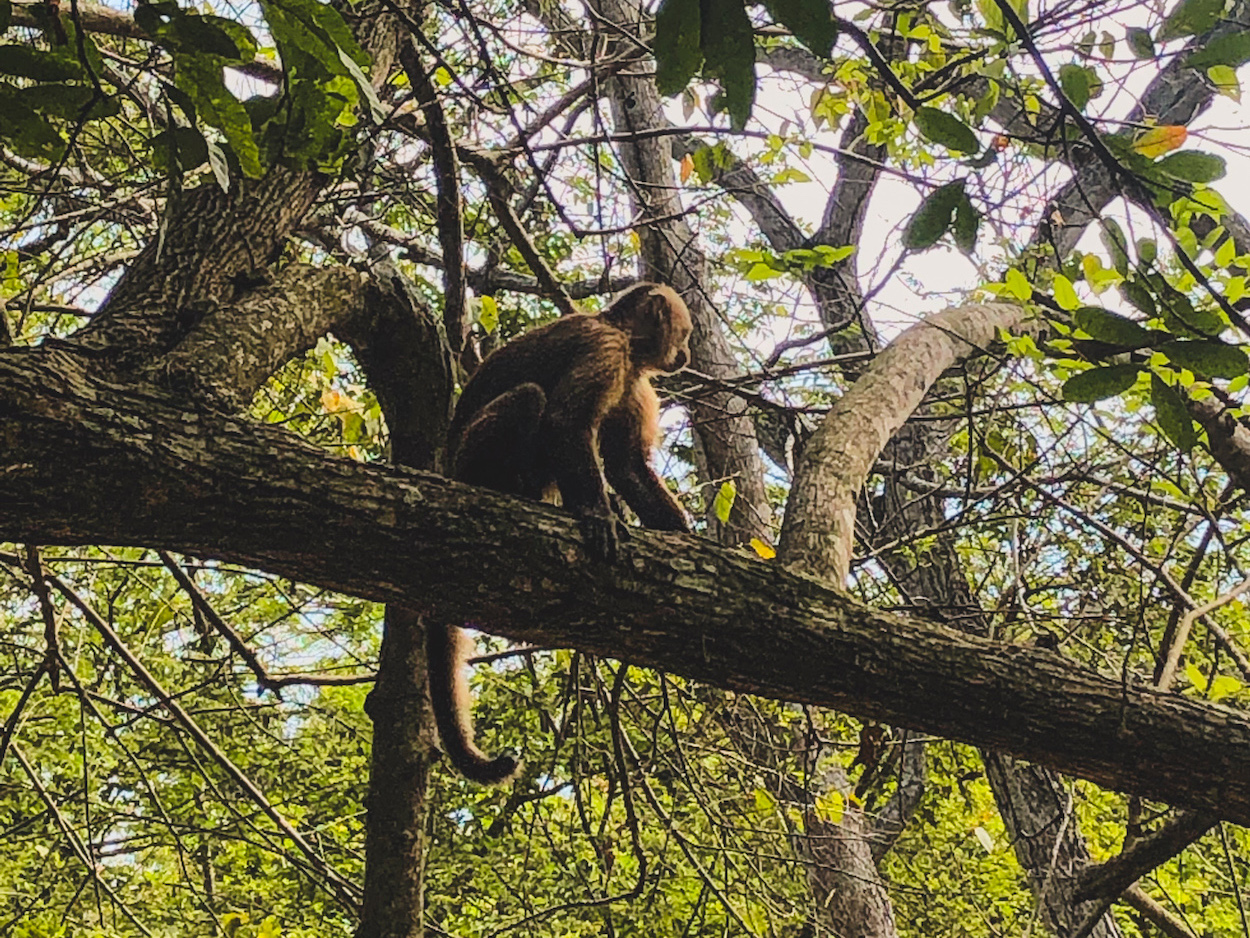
(497, 771)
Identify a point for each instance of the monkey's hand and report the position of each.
(602, 533)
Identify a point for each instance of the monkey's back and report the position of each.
(542, 356)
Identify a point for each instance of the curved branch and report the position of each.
(819, 527)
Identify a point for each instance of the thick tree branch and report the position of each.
(819, 528)
(1227, 436)
(85, 462)
(234, 349)
(214, 242)
(1108, 880)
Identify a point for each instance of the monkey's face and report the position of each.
(675, 336)
(658, 324)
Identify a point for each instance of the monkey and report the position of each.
(565, 409)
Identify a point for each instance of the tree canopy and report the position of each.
(959, 645)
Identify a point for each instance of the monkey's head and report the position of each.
(658, 324)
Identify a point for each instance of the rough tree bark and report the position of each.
(85, 462)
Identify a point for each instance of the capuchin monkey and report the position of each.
(567, 408)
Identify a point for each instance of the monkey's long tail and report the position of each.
(446, 650)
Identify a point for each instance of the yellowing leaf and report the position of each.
(830, 807)
(488, 315)
(1195, 675)
(1065, 294)
(764, 550)
(687, 167)
(1160, 140)
(1224, 686)
(724, 501)
(1225, 80)
(333, 400)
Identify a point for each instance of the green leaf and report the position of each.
(6, 14)
(1192, 166)
(1099, 383)
(1106, 326)
(488, 313)
(1231, 50)
(728, 44)
(242, 37)
(811, 21)
(68, 102)
(1114, 241)
(1076, 83)
(363, 85)
(180, 98)
(39, 65)
(202, 34)
(1190, 18)
(1180, 315)
(26, 130)
(218, 163)
(184, 145)
(967, 221)
(946, 129)
(723, 504)
(933, 217)
(1137, 293)
(1140, 43)
(1207, 358)
(200, 77)
(1171, 414)
(315, 29)
(1018, 285)
(1065, 294)
(765, 803)
(1225, 81)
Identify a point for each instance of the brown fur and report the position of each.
(569, 407)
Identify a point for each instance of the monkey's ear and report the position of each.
(634, 310)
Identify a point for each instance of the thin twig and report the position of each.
(341, 888)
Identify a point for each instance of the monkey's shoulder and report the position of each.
(544, 355)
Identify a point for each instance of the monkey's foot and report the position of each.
(602, 535)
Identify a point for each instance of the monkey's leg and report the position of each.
(569, 447)
(626, 455)
(499, 446)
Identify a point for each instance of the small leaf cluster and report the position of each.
(47, 92)
(716, 38)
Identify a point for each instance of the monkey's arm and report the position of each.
(576, 407)
(626, 453)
